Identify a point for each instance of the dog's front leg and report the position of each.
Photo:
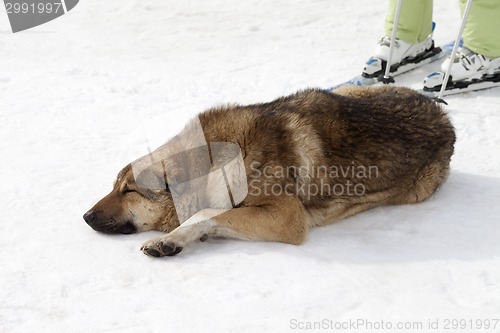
(196, 227)
(278, 220)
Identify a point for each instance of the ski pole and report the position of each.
(454, 52)
(387, 79)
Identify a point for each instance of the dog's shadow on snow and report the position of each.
(461, 221)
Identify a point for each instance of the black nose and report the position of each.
(89, 217)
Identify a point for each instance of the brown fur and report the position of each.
(294, 143)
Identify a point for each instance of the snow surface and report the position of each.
(88, 92)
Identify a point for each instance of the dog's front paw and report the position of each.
(160, 247)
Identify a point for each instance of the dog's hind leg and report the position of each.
(429, 179)
(280, 219)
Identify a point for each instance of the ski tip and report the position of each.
(353, 82)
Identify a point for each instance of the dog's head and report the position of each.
(148, 191)
(135, 204)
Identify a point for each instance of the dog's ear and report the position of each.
(152, 178)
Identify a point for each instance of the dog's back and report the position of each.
(366, 146)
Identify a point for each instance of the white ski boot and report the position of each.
(470, 65)
(405, 56)
(470, 71)
(402, 49)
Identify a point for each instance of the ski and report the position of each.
(457, 87)
(375, 67)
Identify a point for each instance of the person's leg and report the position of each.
(482, 30)
(413, 38)
(480, 54)
(415, 22)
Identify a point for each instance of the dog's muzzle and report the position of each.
(92, 220)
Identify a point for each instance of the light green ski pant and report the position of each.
(481, 33)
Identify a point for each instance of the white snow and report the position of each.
(87, 93)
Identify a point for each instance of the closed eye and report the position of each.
(127, 189)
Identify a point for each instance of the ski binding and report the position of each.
(434, 81)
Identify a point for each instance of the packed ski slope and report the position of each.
(89, 92)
